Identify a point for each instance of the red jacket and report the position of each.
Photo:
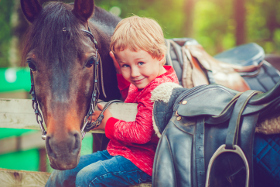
(136, 140)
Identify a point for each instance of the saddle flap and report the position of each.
(210, 101)
(220, 72)
(244, 55)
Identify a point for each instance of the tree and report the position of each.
(240, 19)
(189, 8)
(6, 7)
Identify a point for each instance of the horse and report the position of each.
(64, 45)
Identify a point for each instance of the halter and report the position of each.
(88, 124)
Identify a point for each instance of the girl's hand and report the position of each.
(107, 114)
(116, 64)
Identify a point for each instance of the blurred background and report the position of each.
(217, 25)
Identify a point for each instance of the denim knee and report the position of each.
(117, 171)
(86, 175)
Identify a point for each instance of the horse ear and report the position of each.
(31, 9)
(83, 9)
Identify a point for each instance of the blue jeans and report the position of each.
(99, 169)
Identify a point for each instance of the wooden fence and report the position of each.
(18, 113)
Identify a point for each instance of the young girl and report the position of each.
(138, 51)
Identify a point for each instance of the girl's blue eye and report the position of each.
(141, 63)
(125, 66)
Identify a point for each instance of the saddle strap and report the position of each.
(168, 57)
(234, 122)
(199, 152)
(187, 81)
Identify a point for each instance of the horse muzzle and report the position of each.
(64, 153)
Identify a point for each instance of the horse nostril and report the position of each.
(64, 151)
(48, 147)
(77, 143)
(57, 146)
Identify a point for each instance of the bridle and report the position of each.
(95, 94)
(88, 124)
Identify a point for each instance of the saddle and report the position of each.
(207, 134)
(241, 68)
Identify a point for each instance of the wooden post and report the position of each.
(42, 160)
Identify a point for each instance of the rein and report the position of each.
(88, 124)
(35, 106)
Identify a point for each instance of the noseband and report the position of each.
(88, 124)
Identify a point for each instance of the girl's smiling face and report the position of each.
(139, 67)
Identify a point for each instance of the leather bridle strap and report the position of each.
(95, 94)
(90, 35)
(89, 125)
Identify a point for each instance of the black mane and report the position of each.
(54, 33)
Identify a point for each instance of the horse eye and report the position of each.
(31, 65)
(90, 62)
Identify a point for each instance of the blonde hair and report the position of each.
(139, 33)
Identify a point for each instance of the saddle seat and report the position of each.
(194, 66)
(247, 57)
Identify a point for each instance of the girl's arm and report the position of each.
(139, 131)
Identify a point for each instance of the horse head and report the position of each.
(61, 51)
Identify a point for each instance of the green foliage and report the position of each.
(263, 23)
(168, 14)
(213, 21)
(213, 31)
(6, 7)
(213, 25)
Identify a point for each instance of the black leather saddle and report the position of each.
(207, 135)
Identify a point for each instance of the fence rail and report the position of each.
(18, 113)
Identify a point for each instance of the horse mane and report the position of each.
(104, 20)
(54, 33)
